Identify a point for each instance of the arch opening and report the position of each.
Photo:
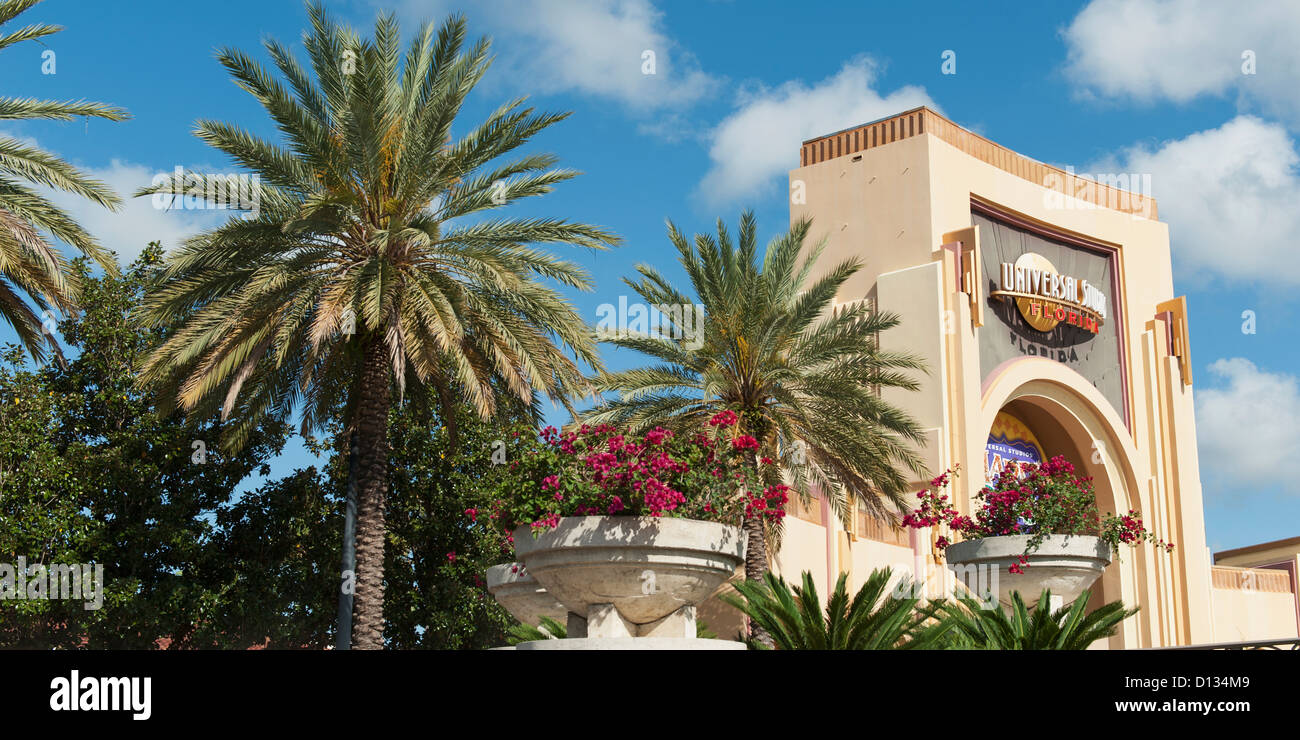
(1065, 420)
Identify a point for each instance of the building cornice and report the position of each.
(1252, 549)
(919, 121)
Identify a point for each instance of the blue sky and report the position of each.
(1124, 85)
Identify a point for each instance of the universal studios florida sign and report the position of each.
(1046, 298)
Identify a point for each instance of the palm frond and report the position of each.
(878, 617)
(34, 276)
(1070, 627)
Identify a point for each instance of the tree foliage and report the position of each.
(367, 263)
(90, 471)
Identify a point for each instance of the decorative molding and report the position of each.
(1174, 313)
(1250, 579)
(922, 120)
(970, 279)
(868, 526)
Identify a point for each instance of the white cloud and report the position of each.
(760, 140)
(1229, 196)
(595, 48)
(1178, 50)
(1247, 432)
(128, 230)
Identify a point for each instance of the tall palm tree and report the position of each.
(29, 264)
(801, 373)
(358, 278)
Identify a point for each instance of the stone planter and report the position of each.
(526, 600)
(631, 576)
(640, 643)
(1066, 564)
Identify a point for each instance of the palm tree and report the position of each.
(356, 277)
(801, 373)
(972, 626)
(29, 264)
(874, 619)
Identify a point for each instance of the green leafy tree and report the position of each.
(439, 540)
(274, 563)
(1071, 627)
(89, 472)
(875, 618)
(41, 521)
(29, 265)
(270, 571)
(801, 373)
(369, 268)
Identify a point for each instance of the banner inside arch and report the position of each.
(1010, 440)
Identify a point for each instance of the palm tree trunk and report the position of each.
(372, 490)
(755, 549)
(755, 552)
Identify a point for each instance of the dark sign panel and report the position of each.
(1051, 300)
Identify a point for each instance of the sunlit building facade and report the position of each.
(1044, 305)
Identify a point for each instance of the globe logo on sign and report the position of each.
(1046, 298)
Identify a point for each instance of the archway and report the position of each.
(1069, 417)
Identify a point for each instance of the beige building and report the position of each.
(1253, 594)
(1044, 304)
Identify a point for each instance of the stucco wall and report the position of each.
(803, 547)
(1241, 616)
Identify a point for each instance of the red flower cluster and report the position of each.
(602, 471)
(1033, 500)
(723, 419)
(1130, 530)
(770, 504)
(1130, 527)
(598, 470)
(550, 521)
(658, 436)
(1020, 565)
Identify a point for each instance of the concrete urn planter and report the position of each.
(631, 576)
(1066, 564)
(521, 595)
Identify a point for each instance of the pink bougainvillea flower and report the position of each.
(658, 436)
(723, 419)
